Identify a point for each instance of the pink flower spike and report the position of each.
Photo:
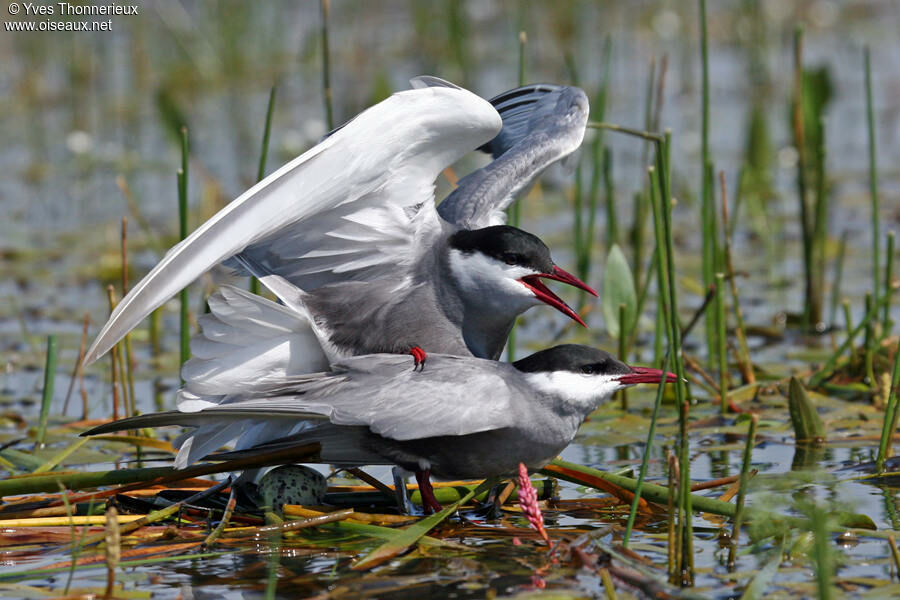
(529, 503)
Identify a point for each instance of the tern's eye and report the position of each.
(511, 258)
(589, 369)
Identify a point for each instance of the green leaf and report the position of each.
(758, 585)
(405, 538)
(807, 424)
(618, 288)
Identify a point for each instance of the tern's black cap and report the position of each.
(572, 357)
(507, 244)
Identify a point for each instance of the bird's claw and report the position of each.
(420, 356)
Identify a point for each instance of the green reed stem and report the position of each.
(660, 330)
(744, 361)
(182, 177)
(895, 553)
(722, 341)
(820, 229)
(895, 414)
(869, 347)
(821, 553)
(648, 106)
(685, 519)
(848, 317)
(708, 211)
(263, 155)
(642, 473)
(672, 546)
(887, 324)
(890, 416)
(709, 257)
(128, 361)
(704, 98)
(873, 175)
(578, 203)
(742, 490)
(120, 365)
(326, 67)
(583, 261)
(662, 318)
(183, 184)
(264, 152)
(47, 394)
(624, 331)
(155, 347)
(651, 492)
(185, 335)
(800, 145)
(653, 137)
(117, 365)
(76, 480)
(666, 241)
(662, 273)
(837, 278)
(129, 377)
(113, 359)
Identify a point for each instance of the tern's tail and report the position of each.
(248, 342)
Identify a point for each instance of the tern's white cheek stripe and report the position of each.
(576, 388)
(477, 272)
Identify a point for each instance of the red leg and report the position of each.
(429, 502)
(419, 356)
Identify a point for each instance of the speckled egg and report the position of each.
(292, 484)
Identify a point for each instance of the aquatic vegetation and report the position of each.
(767, 470)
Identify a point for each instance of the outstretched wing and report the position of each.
(353, 207)
(542, 123)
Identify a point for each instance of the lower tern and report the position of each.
(462, 418)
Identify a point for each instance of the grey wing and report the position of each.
(452, 396)
(542, 123)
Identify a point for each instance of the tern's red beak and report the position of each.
(647, 375)
(543, 293)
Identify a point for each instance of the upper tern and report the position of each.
(351, 226)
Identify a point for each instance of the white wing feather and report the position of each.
(247, 341)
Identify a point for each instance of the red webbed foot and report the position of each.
(420, 356)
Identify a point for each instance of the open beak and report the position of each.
(543, 293)
(647, 375)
